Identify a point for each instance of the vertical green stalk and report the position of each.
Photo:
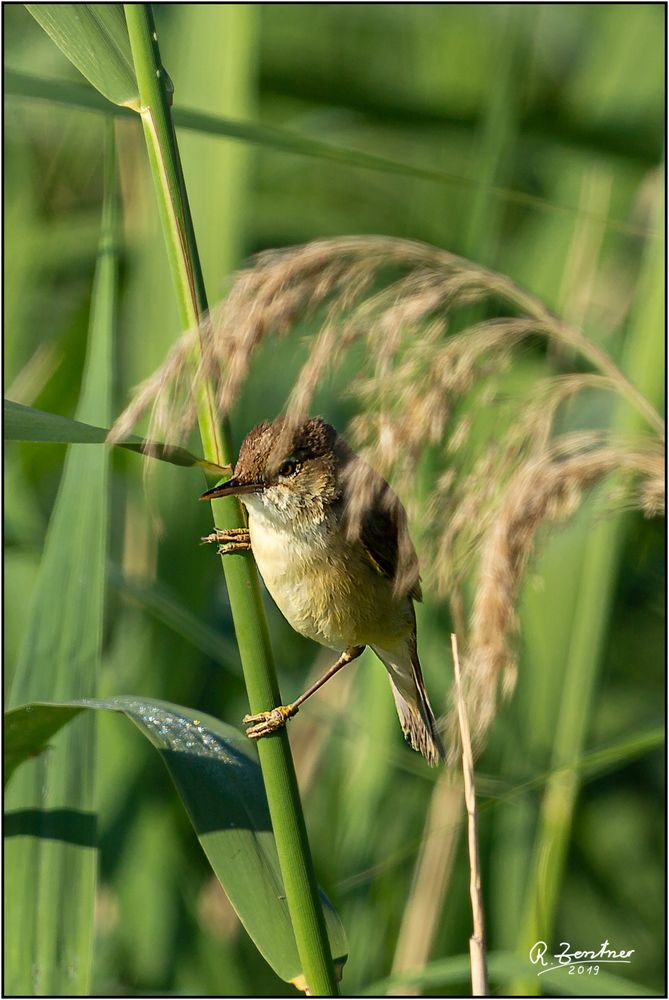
(645, 369)
(240, 573)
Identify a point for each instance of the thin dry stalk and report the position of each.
(477, 954)
(432, 874)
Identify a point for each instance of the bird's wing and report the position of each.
(384, 536)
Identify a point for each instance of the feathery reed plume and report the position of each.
(549, 488)
(431, 382)
(286, 285)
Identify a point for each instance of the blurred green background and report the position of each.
(560, 102)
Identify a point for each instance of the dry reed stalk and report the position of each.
(35, 374)
(431, 878)
(477, 954)
(400, 304)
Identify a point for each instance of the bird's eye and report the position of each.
(288, 468)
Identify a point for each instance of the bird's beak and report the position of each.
(233, 488)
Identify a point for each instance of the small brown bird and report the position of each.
(331, 542)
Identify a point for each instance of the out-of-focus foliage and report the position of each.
(560, 102)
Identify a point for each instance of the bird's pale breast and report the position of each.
(325, 588)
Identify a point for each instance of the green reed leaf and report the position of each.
(217, 776)
(94, 38)
(274, 137)
(25, 423)
(51, 882)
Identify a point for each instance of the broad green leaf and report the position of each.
(94, 38)
(25, 423)
(218, 778)
(51, 881)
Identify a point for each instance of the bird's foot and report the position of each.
(265, 723)
(229, 540)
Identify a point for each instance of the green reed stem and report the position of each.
(240, 573)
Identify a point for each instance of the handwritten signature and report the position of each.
(566, 957)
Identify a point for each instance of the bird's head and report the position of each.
(288, 474)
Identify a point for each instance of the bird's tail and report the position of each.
(413, 705)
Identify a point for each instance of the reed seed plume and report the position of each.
(547, 489)
(479, 468)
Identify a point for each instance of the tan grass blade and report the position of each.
(477, 950)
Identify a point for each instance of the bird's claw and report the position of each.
(229, 540)
(235, 535)
(265, 723)
(207, 539)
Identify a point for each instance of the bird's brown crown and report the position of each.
(270, 445)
